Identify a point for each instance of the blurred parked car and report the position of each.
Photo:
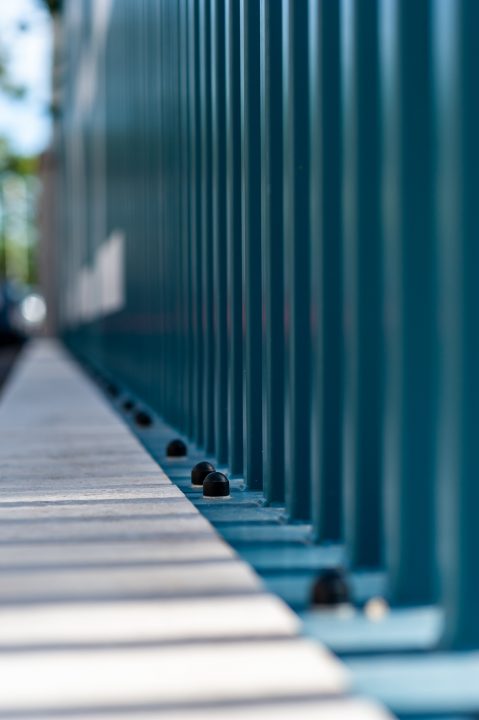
(22, 313)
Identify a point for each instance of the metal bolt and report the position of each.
(216, 485)
(112, 390)
(200, 472)
(176, 448)
(330, 588)
(143, 419)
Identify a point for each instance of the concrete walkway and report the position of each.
(117, 598)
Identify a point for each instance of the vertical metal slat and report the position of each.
(457, 114)
(296, 260)
(219, 227)
(326, 267)
(272, 249)
(207, 228)
(409, 261)
(251, 240)
(363, 330)
(233, 234)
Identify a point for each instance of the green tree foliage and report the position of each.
(18, 193)
(11, 162)
(7, 87)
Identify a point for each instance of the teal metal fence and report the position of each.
(269, 235)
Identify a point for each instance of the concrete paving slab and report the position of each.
(117, 598)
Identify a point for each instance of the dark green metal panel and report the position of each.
(272, 249)
(325, 268)
(363, 327)
(296, 259)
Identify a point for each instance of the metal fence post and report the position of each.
(457, 113)
(219, 227)
(187, 232)
(251, 240)
(272, 249)
(363, 346)
(208, 379)
(325, 261)
(296, 260)
(409, 262)
(196, 258)
(233, 237)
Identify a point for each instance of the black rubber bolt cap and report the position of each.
(216, 485)
(200, 471)
(330, 588)
(143, 419)
(176, 448)
(112, 390)
(128, 405)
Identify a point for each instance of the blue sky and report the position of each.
(26, 122)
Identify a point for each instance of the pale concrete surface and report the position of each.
(117, 598)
